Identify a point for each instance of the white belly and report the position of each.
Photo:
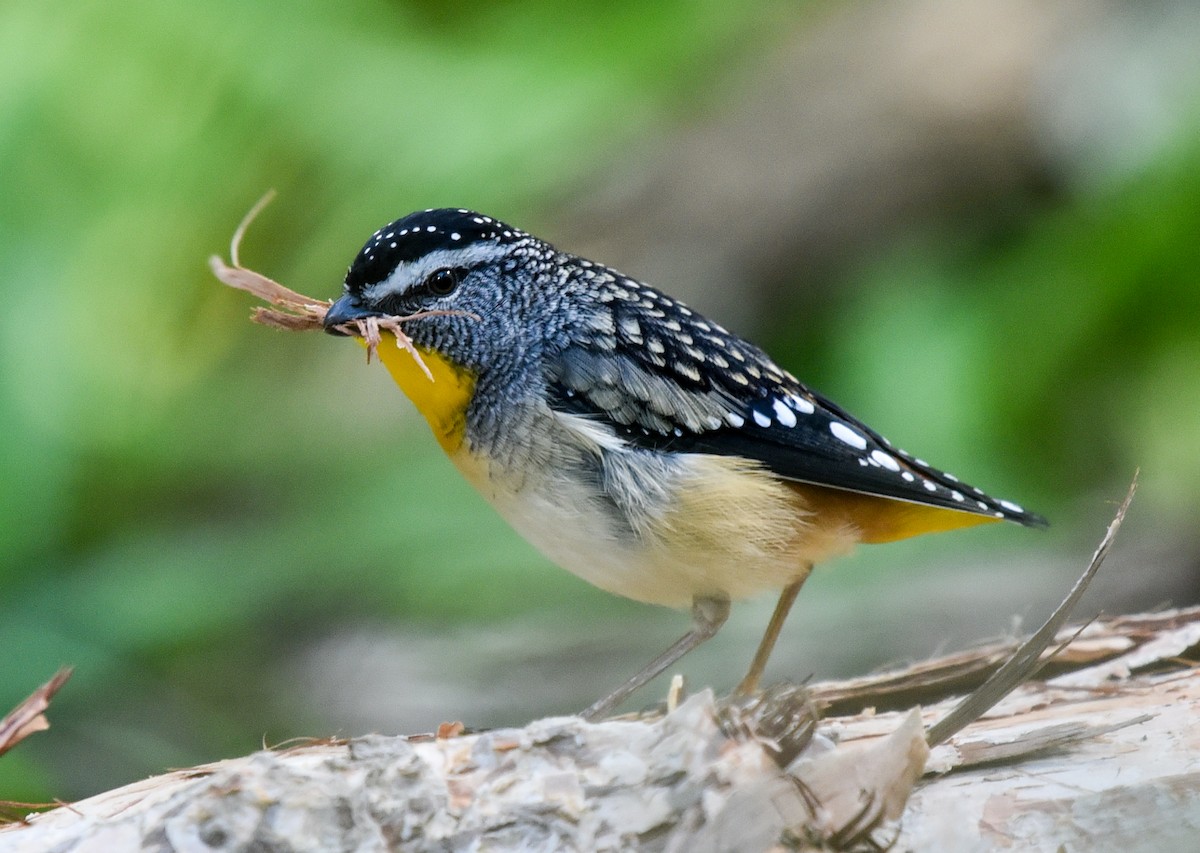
(664, 533)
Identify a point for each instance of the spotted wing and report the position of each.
(663, 377)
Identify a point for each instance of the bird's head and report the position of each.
(491, 287)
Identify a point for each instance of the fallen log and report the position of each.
(1104, 754)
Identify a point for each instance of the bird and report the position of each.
(630, 439)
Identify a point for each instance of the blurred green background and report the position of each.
(978, 229)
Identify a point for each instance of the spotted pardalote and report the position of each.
(633, 441)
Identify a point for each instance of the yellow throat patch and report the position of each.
(442, 401)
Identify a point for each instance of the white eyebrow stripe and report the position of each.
(405, 275)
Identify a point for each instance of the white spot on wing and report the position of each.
(761, 419)
(885, 460)
(785, 415)
(1010, 506)
(801, 405)
(844, 434)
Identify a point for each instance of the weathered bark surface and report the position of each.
(1103, 755)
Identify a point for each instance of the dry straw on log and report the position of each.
(1105, 755)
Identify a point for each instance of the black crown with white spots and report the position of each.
(418, 234)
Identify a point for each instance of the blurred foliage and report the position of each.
(187, 497)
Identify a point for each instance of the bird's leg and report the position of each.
(749, 684)
(708, 615)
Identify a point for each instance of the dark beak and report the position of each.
(345, 310)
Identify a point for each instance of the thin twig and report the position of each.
(1027, 659)
(28, 717)
(240, 231)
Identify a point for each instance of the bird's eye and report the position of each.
(442, 282)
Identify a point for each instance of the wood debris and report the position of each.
(1057, 763)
